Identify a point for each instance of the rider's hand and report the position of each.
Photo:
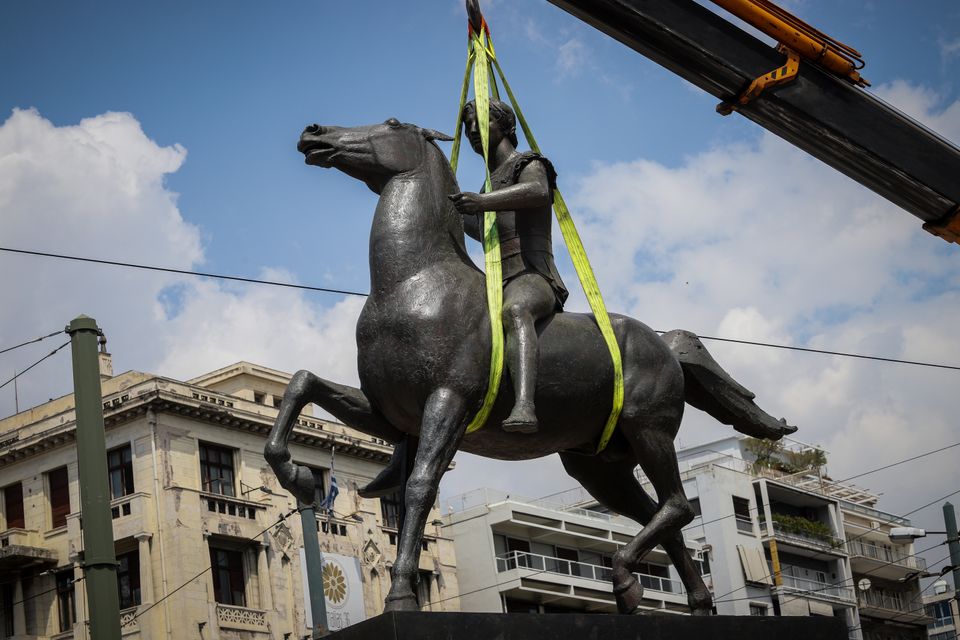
(467, 203)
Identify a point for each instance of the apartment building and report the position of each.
(784, 539)
(196, 506)
(943, 611)
(548, 555)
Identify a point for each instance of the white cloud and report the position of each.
(97, 189)
(572, 57)
(762, 242)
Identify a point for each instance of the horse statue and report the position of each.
(423, 341)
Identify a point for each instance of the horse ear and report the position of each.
(432, 134)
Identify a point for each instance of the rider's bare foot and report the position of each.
(523, 419)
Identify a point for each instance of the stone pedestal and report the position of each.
(577, 626)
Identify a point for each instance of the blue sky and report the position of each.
(693, 220)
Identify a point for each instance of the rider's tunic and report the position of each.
(525, 234)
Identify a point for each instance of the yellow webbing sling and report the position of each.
(482, 55)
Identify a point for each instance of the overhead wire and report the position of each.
(23, 344)
(347, 292)
(34, 364)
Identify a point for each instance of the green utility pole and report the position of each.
(953, 544)
(99, 559)
(311, 553)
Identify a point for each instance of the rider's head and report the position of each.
(501, 118)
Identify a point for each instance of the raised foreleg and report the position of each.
(347, 404)
(441, 430)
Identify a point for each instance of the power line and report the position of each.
(34, 364)
(831, 353)
(304, 287)
(185, 272)
(23, 344)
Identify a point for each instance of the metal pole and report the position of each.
(311, 553)
(99, 559)
(953, 544)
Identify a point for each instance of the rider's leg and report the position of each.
(527, 298)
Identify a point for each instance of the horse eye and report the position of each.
(393, 122)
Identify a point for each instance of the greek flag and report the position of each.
(331, 497)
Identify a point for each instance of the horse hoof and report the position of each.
(401, 603)
(629, 596)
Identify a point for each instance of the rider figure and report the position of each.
(522, 195)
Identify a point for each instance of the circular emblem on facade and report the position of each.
(334, 583)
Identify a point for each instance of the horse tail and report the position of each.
(709, 388)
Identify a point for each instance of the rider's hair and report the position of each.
(502, 114)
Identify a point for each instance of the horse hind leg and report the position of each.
(615, 486)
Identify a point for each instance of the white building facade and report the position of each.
(790, 542)
(191, 491)
(519, 555)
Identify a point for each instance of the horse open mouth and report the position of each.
(317, 152)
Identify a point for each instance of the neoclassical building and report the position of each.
(203, 550)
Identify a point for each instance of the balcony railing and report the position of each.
(816, 589)
(228, 505)
(825, 542)
(233, 617)
(889, 600)
(548, 564)
(128, 620)
(884, 554)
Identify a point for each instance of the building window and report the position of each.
(216, 469)
(128, 579)
(277, 401)
(259, 397)
(741, 512)
(66, 600)
(758, 609)
(695, 505)
(59, 487)
(13, 506)
(120, 468)
(423, 589)
(319, 487)
(390, 510)
(941, 614)
(228, 577)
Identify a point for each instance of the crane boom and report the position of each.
(829, 118)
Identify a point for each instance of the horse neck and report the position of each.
(416, 224)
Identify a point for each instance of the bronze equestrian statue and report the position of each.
(423, 341)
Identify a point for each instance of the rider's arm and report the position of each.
(531, 191)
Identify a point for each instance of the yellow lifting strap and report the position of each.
(482, 55)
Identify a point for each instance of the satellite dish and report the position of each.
(864, 584)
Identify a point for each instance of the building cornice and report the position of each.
(192, 402)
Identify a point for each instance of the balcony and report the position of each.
(890, 604)
(796, 537)
(23, 549)
(881, 561)
(568, 572)
(128, 621)
(241, 516)
(818, 590)
(242, 618)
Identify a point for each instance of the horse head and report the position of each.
(373, 153)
